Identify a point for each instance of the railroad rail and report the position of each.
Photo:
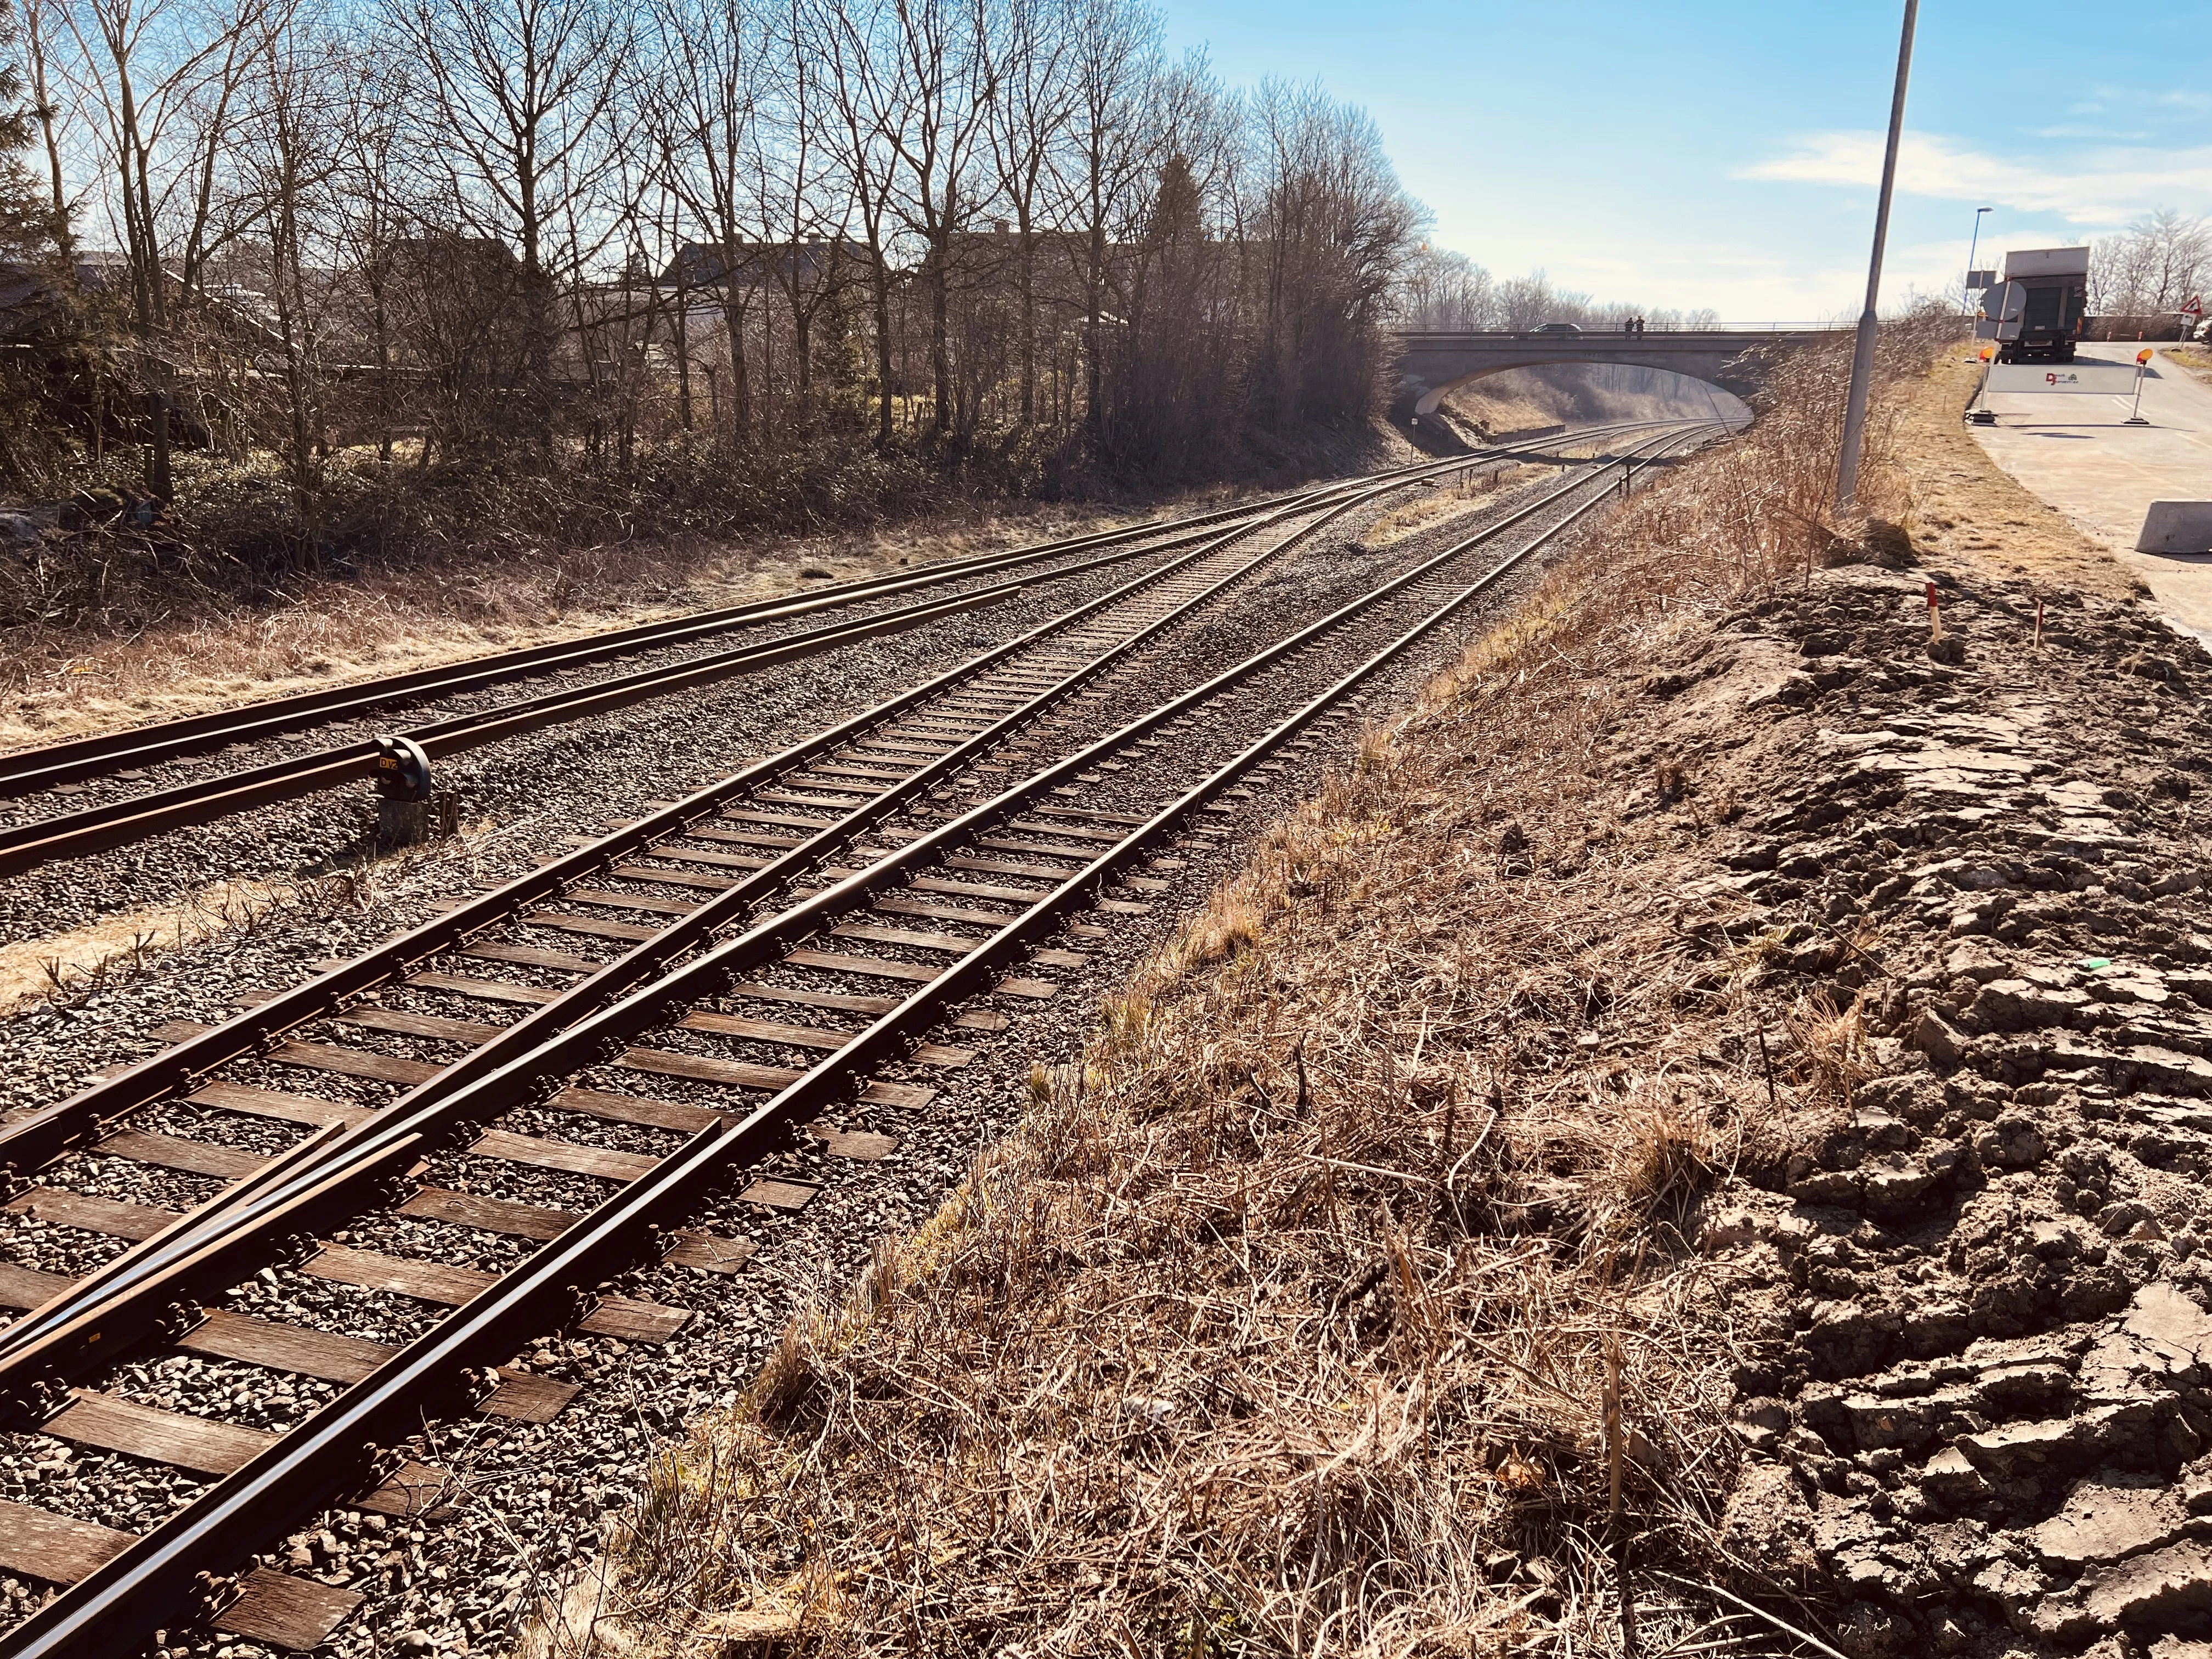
(31, 769)
(29, 1142)
(888, 835)
(110, 825)
(920, 737)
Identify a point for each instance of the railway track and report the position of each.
(127, 757)
(784, 939)
(32, 769)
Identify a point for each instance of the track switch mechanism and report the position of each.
(409, 809)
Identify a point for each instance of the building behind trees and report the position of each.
(357, 250)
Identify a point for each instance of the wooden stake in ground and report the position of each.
(1935, 615)
(1616, 1459)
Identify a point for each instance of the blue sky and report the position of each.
(1725, 153)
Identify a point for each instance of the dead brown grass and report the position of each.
(1508, 404)
(1522, 398)
(63, 682)
(1964, 507)
(1441, 505)
(1345, 1299)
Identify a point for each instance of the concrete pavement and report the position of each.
(2075, 454)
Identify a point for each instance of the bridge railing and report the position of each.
(1596, 332)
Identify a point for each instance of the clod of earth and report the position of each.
(1985, 1358)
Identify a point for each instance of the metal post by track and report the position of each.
(410, 809)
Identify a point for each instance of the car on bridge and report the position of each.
(1558, 328)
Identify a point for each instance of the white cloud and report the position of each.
(2195, 102)
(2088, 132)
(2115, 186)
(2178, 104)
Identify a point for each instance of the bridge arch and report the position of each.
(1431, 365)
(1429, 400)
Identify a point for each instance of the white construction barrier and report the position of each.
(2176, 527)
(2099, 379)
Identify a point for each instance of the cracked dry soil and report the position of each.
(1976, 1402)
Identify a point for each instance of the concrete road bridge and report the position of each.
(1431, 365)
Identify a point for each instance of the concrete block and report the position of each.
(2176, 527)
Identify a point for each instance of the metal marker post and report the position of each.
(2142, 363)
(1983, 416)
(1847, 468)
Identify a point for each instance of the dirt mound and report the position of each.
(1976, 1407)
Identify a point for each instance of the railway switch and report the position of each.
(409, 809)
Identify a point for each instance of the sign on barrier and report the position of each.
(2097, 379)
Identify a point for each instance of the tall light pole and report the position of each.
(1847, 469)
(1974, 246)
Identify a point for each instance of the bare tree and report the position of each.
(703, 111)
(535, 224)
(870, 93)
(41, 20)
(372, 215)
(1115, 58)
(1026, 123)
(290, 152)
(522, 124)
(1442, 291)
(2150, 269)
(797, 186)
(158, 81)
(942, 48)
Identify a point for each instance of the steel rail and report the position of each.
(116, 824)
(121, 1301)
(71, 1122)
(151, 1580)
(28, 770)
(111, 825)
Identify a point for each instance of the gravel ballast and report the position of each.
(528, 1497)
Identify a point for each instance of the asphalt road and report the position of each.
(2076, 453)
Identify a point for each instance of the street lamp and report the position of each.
(1855, 405)
(1971, 246)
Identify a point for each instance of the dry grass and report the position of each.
(58, 681)
(1964, 505)
(1522, 398)
(1508, 403)
(1441, 505)
(87, 958)
(1346, 1299)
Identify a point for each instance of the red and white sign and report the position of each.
(2193, 305)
